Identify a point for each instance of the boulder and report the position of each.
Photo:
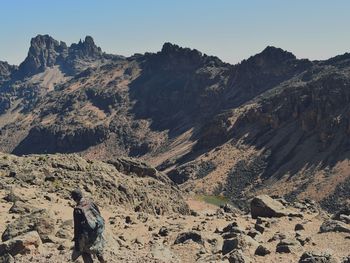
(299, 227)
(232, 230)
(39, 220)
(344, 218)
(287, 246)
(265, 206)
(313, 257)
(277, 236)
(228, 208)
(239, 242)
(230, 227)
(21, 244)
(7, 258)
(259, 228)
(237, 256)
(262, 251)
(342, 215)
(334, 226)
(191, 235)
(253, 233)
(345, 211)
(303, 239)
(11, 197)
(346, 259)
(163, 231)
(20, 207)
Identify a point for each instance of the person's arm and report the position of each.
(77, 226)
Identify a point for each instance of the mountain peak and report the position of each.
(270, 56)
(46, 52)
(169, 48)
(276, 53)
(86, 48)
(43, 52)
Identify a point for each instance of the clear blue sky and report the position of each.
(230, 29)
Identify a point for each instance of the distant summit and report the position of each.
(270, 56)
(277, 53)
(46, 52)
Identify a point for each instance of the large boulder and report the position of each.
(313, 257)
(265, 206)
(20, 207)
(21, 244)
(334, 226)
(194, 236)
(39, 220)
(240, 242)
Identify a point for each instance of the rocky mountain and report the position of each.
(271, 124)
(46, 52)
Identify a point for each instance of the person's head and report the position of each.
(76, 195)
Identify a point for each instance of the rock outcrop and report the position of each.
(334, 226)
(46, 52)
(5, 71)
(40, 221)
(21, 244)
(141, 187)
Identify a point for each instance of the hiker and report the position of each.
(88, 229)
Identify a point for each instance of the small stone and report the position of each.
(128, 220)
(61, 247)
(262, 251)
(229, 227)
(277, 236)
(163, 231)
(259, 228)
(287, 246)
(48, 198)
(253, 233)
(299, 227)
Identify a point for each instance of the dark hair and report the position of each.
(76, 194)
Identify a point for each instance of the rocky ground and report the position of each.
(148, 220)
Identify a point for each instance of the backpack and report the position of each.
(91, 220)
